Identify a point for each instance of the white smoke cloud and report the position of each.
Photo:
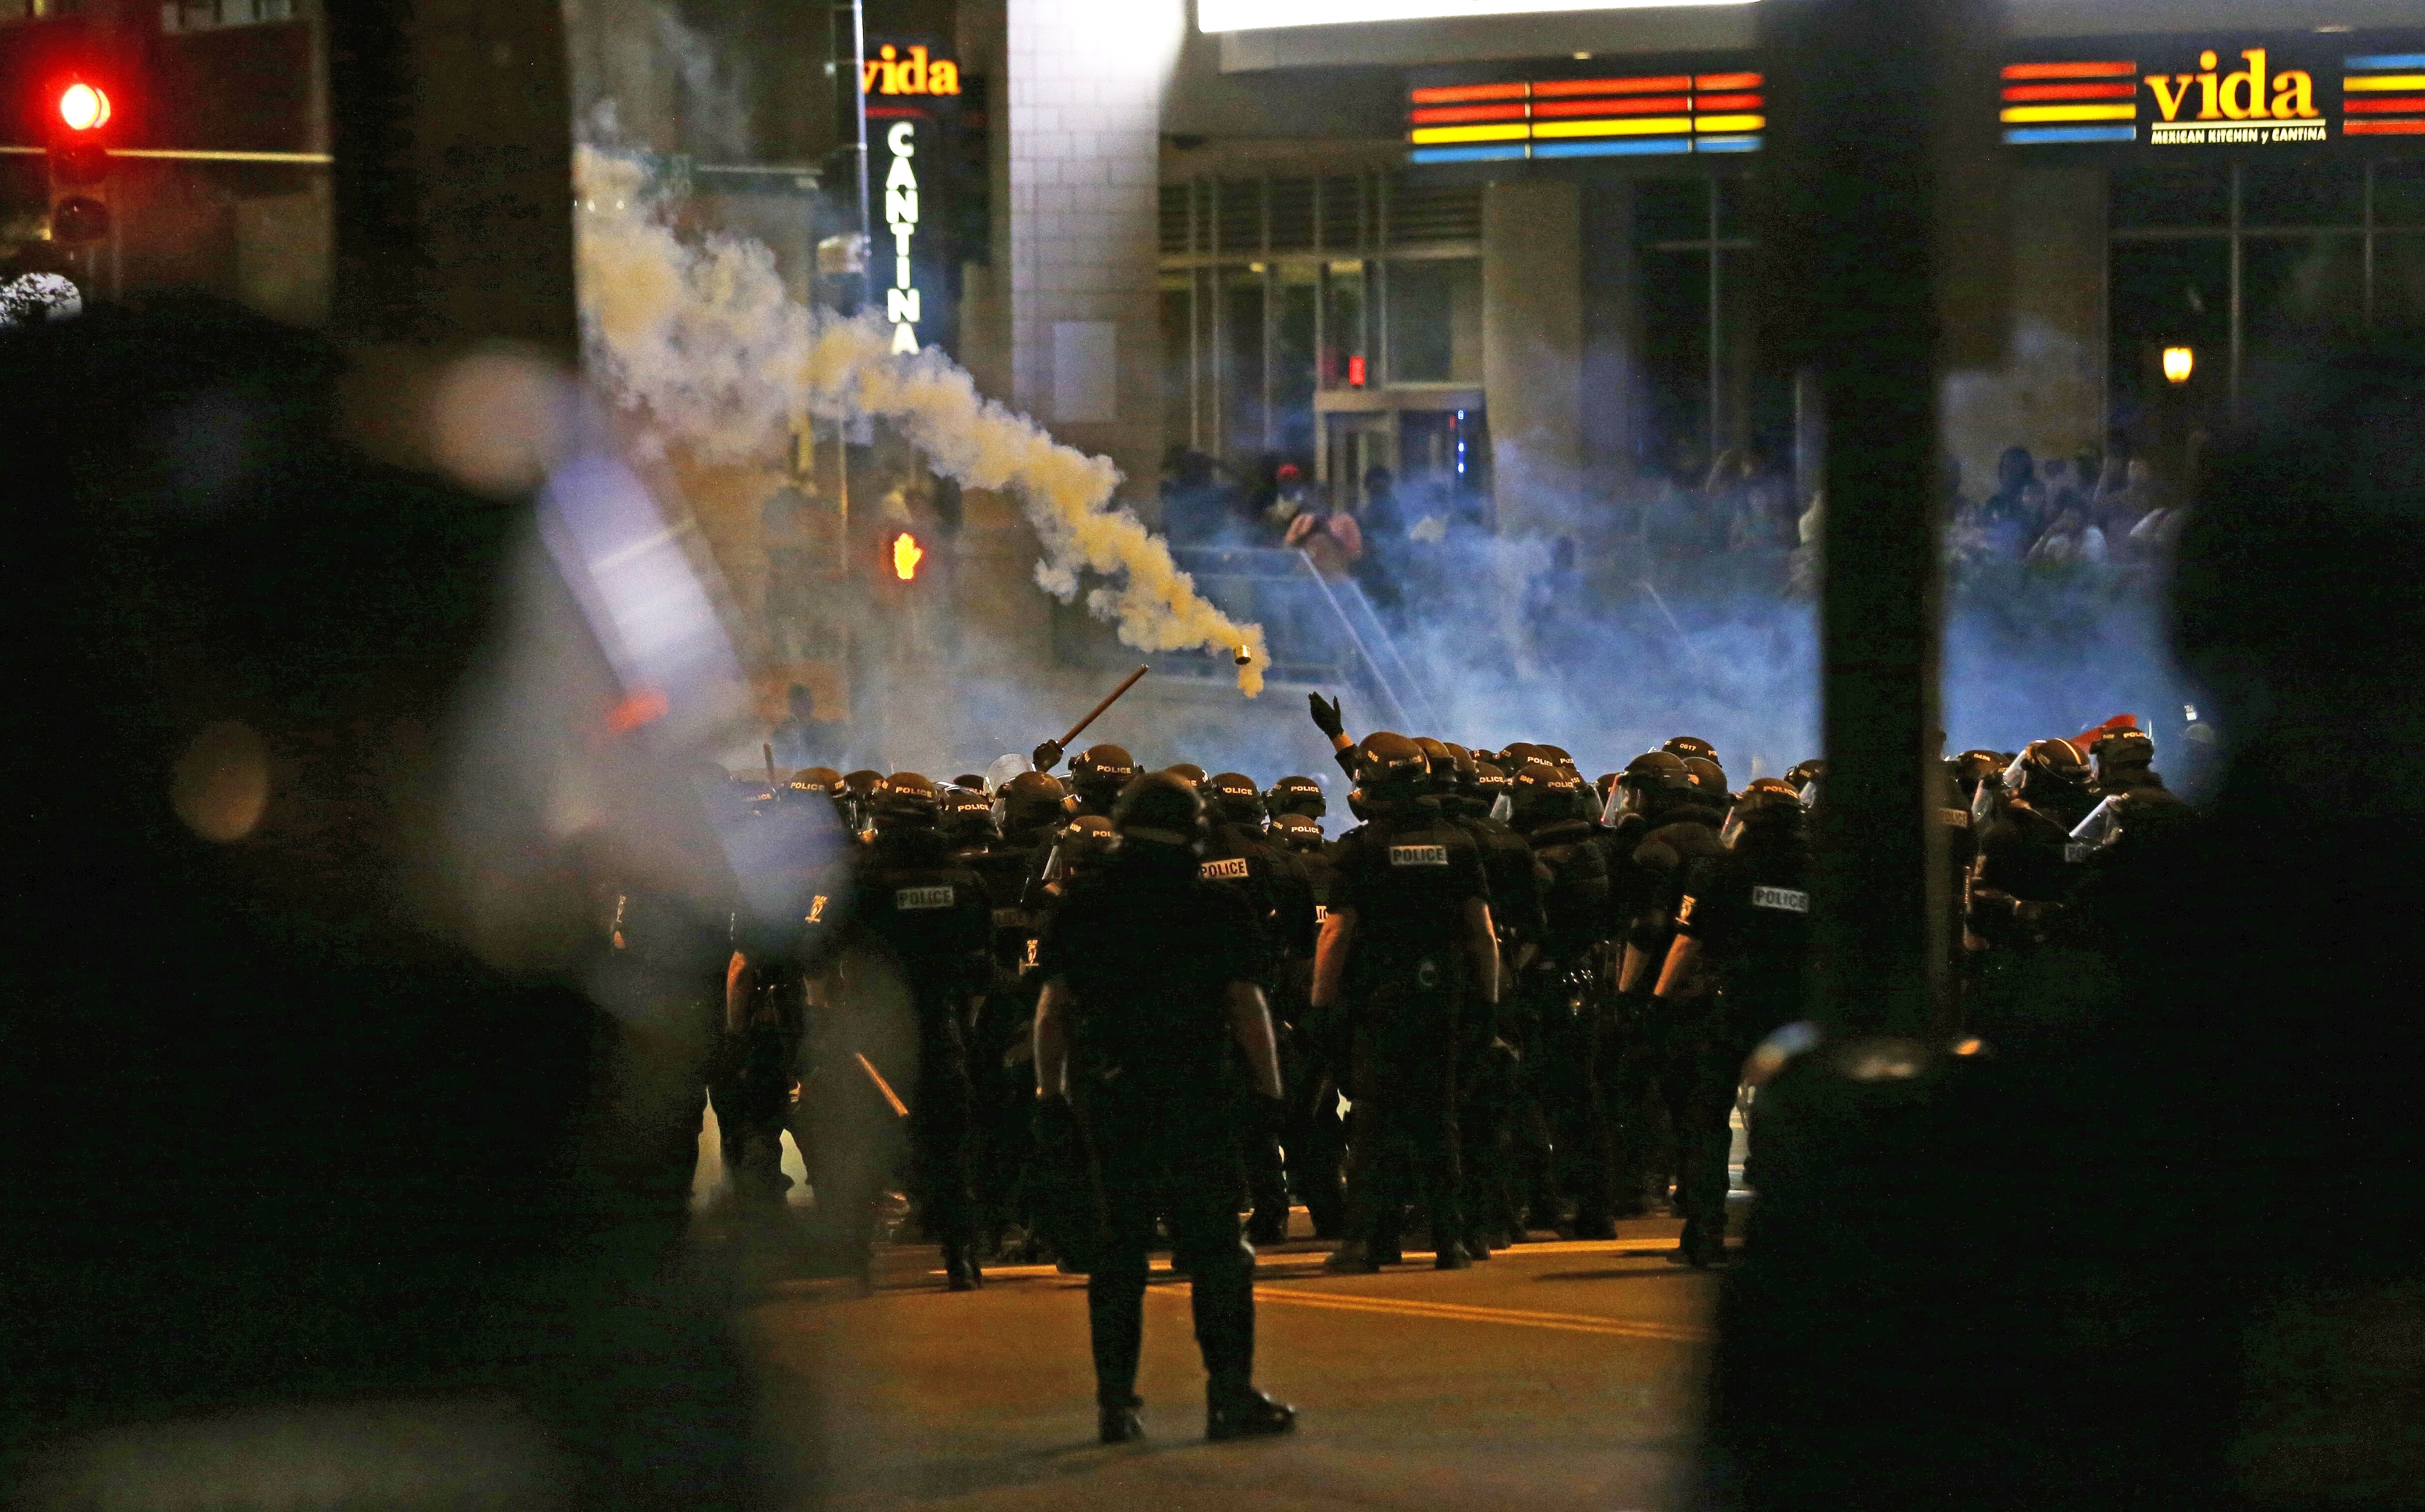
(702, 336)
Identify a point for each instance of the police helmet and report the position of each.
(1234, 796)
(1493, 781)
(1972, 767)
(1544, 794)
(970, 782)
(967, 815)
(1768, 802)
(1390, 768)
(1558, 754)
(1462, 766)
(1436, 761)
(1709, 778)
(1296, 833)
(1187, 772)
(1654, 780)
(1101, 771)
(2124, 750)
(2046, 764)
(1160, 809)
(1027, 803)
(752, 789)
(1296, 795)
(824, 781)
(1088, 841)
(1691, 746)
(1517, 752)
(909, 801)
(1802, 774)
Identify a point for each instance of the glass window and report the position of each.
(2303, 283)
(1345, 344)
(1675, 360)
(2400, 194)
(2302, 194)
(2168, 294)
(1434, 313)
(1178, 355)
(2172, 195)
(1242, 362)
(1671, 210)
(2399, 284)
(1298, 285)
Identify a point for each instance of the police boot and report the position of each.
(1594, 1226)
(1477, 1244)
(1700, 1247)
(960, 1273)
(1351, 1259)
(1120, 1425)
(1267, 1228)
(1451, 1255)
(1246, 1414)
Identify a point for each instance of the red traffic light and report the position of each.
(84, 107)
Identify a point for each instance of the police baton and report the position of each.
(1048, 755)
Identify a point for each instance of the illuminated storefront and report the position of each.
(2190, 190)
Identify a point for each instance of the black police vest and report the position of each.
(1411, 881)
(936, 918)
(1574, 900)
(2027, 855)
(1768, 887)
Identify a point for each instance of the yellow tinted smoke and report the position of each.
(703, 336)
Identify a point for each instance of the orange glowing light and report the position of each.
(2178, 362)
(907, 555)
(84, 107)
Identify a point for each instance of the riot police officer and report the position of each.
(1149, 974)
(1673, 823)
(1740, 969)
(1279, 897)
(1312, 1058)
(999, 1022)
(1492, 1097)
(791, 867)
(1561, 1011)
(924, 926)
(1407, 948)
(2025, 872)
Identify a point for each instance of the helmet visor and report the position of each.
(2102, 826)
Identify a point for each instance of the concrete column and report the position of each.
(1531, 350)
(1086, 85)
(2050, 394)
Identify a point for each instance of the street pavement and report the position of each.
(1558, 1375)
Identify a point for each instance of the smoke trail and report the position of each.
(705, 338)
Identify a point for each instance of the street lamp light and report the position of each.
(2178, 360)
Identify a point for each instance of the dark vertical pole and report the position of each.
(1881, 239)
(451, 123)
(1866, 103)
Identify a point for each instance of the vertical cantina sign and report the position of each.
(2233, 96)
(902, 300)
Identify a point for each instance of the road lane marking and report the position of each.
(1516, 1317)
(1458, 1312)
